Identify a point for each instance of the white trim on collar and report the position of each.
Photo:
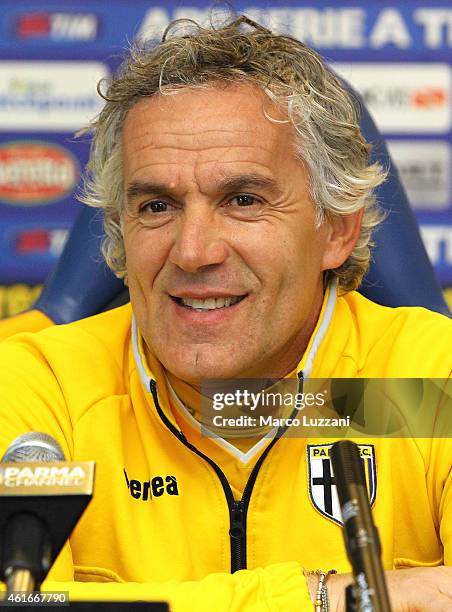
(322, 329)
(144, 376)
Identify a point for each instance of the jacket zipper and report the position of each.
(239, 513)
(237, 510)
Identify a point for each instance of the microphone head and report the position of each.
(346, 460)
(33, 446)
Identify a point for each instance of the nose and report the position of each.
(198, 241)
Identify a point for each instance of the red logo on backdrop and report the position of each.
(36, 173)
(57, 27)
(41, 241)
(33, 241)
(430, 97)
(37, 24)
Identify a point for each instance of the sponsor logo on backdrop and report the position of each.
(404, 98)
(438, 242)
(49, 96)
(424, 168)
(342, 27)
(35, 173)
(329, 27)
(40, 241)
(57, 27)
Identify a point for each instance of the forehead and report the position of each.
(219, 123)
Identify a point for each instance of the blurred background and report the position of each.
(398, 56)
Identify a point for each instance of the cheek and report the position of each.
(295, 258)
(310, 247)
(143, 263)
(145, 254)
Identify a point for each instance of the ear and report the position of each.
(342, 235)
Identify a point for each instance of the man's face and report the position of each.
(224, 259)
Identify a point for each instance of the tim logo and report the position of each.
(57, 26)
(156, 487)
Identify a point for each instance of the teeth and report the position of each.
(210, 303)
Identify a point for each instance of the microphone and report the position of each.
(41, 499)
(360, 534)
(33, 446)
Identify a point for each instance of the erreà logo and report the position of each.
(155, 487)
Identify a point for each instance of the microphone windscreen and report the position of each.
(33, 446)
(347, 465)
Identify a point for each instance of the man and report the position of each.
(238, 207)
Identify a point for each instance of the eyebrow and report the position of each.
(244, 181)
(228, 184)
(140, 188)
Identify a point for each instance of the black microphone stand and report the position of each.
(369, 592)
(26, 552)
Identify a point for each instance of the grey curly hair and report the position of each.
(323, 113)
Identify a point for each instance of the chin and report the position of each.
(202, 368)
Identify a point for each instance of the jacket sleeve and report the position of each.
(29, 321)
(279, 587)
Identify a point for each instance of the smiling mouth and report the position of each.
(213, 303)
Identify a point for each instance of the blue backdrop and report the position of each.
(52, 54)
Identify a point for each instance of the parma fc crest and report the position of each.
(322, 486)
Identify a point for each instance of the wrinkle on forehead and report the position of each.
(195, 119)
(198, 136)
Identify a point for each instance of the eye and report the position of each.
(156, 206)
(244, 206)
(244, 200)
(155, 213)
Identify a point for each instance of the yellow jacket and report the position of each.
(158, 525)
